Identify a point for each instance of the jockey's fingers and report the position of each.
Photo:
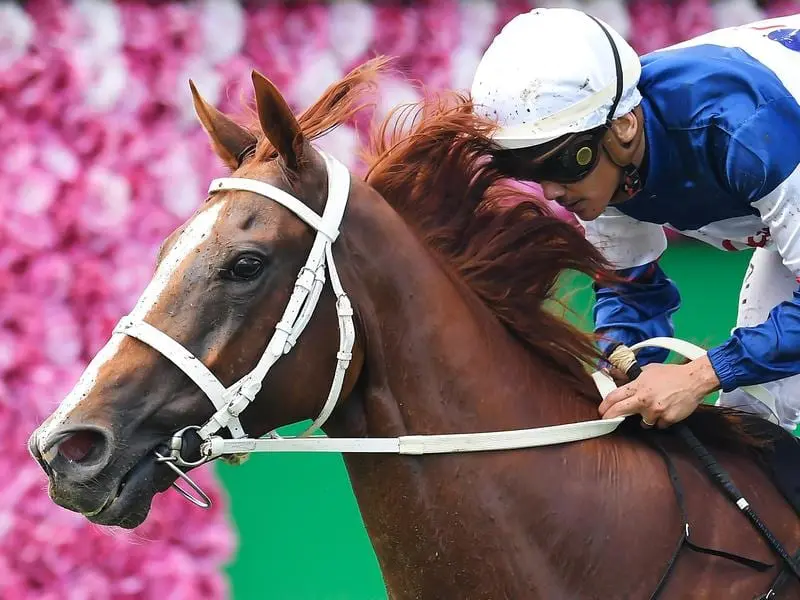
(627, 406)
(617, 395)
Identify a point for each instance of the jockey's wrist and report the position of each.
(703, 376)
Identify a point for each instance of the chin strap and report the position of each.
(631, 180)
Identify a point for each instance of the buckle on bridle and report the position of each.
(174, 460)
(176, 447)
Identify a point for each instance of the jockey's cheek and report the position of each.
(595, 191)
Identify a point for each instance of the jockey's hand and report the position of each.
(663, 394)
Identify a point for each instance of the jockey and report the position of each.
(702, 138)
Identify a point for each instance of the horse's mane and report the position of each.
(431, 161)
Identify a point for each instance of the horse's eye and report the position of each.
(246, 267)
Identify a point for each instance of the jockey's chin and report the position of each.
(588, 209)
(586, 204)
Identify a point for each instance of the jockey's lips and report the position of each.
(570, 203)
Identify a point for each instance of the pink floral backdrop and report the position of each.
(101, 158)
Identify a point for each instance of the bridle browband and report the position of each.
(231, 401)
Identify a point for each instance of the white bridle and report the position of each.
(231, 401)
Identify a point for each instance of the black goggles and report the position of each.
(567, 159)
(574, 159)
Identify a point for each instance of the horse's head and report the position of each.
(203, 337)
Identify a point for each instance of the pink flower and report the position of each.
(8, 351)
(20, 156)
(89, 282)
(36, 193)
(20, 319)
(133, 267)
(650, 25)
(98, 324)
(693, 18)
(29, 231)
(351, 29)
(227, 16)
(44, 85)
(107, 202)
(152, 224)
(59, 159)
(780, 8)
(85, 131)
(16, 32)
(396, 31)
(47, 384)
(48, 277)
(729, 13)
(61, 344)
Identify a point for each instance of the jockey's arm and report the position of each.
(642, 308)
(763, 165)
(636, 311)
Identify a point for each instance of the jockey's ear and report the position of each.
(229, 139)
(625, 136)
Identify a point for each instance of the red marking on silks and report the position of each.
(759, 240)
(728, 245)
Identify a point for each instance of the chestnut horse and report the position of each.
(450, 271)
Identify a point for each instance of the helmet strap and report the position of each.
(631, 180)
(621, 154)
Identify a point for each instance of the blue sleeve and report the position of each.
(636, 310)
(761, 167)
(763, 353)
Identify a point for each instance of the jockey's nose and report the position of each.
(552, 191)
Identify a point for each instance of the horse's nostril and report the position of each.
(78, 446)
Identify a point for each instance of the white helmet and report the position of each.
(552, 71)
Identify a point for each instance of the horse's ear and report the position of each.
(277, 121)
(229, 139)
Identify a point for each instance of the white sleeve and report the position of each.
(624, 241)
(780, 211)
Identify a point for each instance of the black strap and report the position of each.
(718, 474)
(617, 71)
(782, 580)
(684, 537)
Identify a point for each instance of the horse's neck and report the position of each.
(437, 361)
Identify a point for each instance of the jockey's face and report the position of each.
(581, 171)
(589, 196)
